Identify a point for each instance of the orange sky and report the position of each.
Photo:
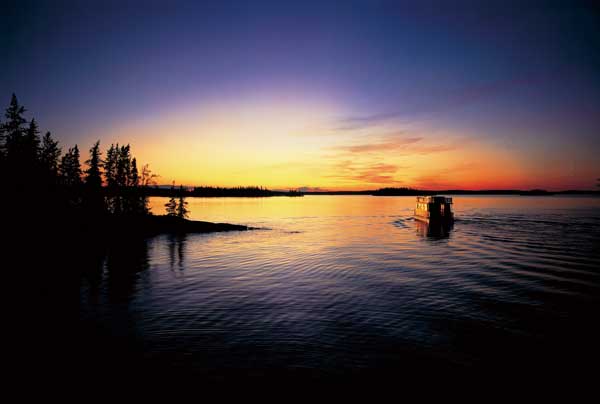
(334, 95)
(283, 144)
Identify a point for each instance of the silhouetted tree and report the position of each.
(93, 197)
(110, 165)
(31, 142)
(134, 179)
(147, 178)
(14, 128)
(93, 178)
(70, 167)
(125, 188)
(49, 155)
(27, 164)
(110, 176)
(20, 146)
(171, 206)
(123, 169)
(182, 210)
(137, 198)
(2, 141)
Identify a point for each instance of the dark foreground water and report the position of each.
(341, 284)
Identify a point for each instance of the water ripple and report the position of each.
(345, 282)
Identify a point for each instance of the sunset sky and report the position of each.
(331, 95)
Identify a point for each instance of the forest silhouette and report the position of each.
(60, 218)
(109, 196)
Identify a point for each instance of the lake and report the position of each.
(338, 284)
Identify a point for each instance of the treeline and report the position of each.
(206, 192)
(35, 168)
(417, 192)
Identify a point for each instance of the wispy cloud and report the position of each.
(445, 100)
(365, 121)
(398, 145)
(389, 145)
(370, 173)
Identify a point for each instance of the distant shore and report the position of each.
(171, 224)
(150, 225)
(418, 192)
(255, 192)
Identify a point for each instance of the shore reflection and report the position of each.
(176, 244)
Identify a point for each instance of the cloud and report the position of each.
(365, 121)
(371, 173)
(448, 100)
(397, 145)
(371, 147)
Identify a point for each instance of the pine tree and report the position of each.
(12, 146)
(93, 177)
(14, 127)
(25, 162)
(70, 168)
(134, 178)
(110, 165)
(145, 179)
(31, 143)
(123, 166)
(110, 176)
(93, 197)
(49, 155)
(182, 210)
(2, 141)
(171, 206)
(138, 202)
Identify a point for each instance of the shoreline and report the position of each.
(151, 225)
(158, 224)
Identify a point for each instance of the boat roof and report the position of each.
(434, 199)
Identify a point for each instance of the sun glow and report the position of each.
(291, 143)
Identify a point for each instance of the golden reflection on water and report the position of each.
(355, 278)
(324, 206)
(315, 224)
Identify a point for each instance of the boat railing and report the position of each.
(433, 199)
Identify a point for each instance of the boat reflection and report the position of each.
(435, 230)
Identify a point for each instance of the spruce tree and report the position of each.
(110, 165)
(134, 178)
(93, 198)
(14, 127)
(171, 206)
(110, 168)
(70, 168)
(182, 211)
(93, 178)
(31, 143)
(12, 146)
(2, 140)
(123, 166)
(49, 155)
(75, 167)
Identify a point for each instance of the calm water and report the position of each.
(353, 282)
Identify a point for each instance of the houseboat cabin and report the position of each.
(434, 209)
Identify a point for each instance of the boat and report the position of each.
(434, 209)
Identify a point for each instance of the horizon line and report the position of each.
(320, 190)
